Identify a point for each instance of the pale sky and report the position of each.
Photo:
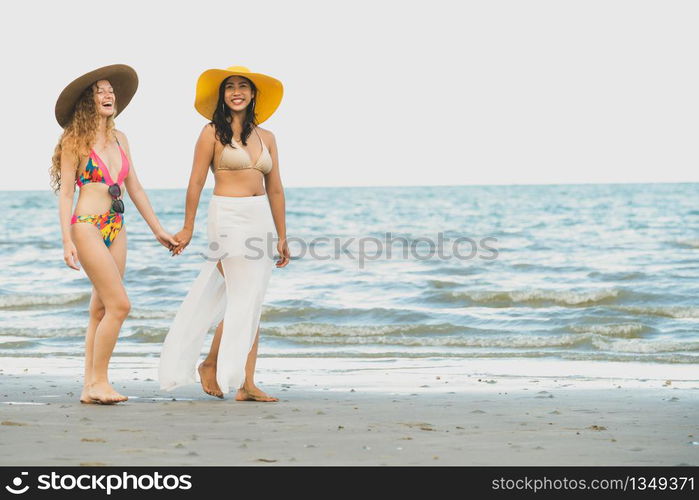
(378, 92)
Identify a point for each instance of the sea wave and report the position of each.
(443, 284)
(17, 301)
(18, 344)
(627, 330)
(688, 243)
(334, 335)
(642, 346)
(47, 333)
(617, 276)
(679, 312)
(672, 358)
(148, 334)
(532, 298)
(301, 312)
(137, 313)
(321, 331)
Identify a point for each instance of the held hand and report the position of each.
(283, 250)
(70, 255)
(183, 238)
(166, 239)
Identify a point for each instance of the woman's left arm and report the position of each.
(140, 199)
(277, 202)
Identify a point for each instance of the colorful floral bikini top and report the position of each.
(97, 171)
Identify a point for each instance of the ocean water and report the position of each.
(567, 272)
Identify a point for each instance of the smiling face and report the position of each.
(105, 99)
(237, 93)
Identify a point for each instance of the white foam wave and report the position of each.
(614, 330)
(150, 314)
(28, 300)
(534, 297)
(665, 311)
(354, 331)
(642, 346)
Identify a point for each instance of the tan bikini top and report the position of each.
(238, 159)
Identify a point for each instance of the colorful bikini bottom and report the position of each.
(109, 224)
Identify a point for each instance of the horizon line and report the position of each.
(413, 185)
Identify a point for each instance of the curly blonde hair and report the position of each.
(79, 135)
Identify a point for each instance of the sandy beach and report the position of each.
(434, 413)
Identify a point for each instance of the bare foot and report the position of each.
(85, 397)
(207, 374)
(254, 394)
(103, 393)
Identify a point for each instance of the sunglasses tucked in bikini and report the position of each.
(112, 221)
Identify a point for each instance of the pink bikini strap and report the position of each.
(124, 163)
(105, 171)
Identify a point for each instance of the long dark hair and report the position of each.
(222, 117)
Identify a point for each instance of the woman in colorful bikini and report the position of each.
(94, 155)
(247, 203)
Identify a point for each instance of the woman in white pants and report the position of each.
(246, 208)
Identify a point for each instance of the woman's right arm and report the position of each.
(69, 165)
(203, 155)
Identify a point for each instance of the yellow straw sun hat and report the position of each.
(124, 81)
(269, 91)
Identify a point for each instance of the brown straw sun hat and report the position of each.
(123, 78)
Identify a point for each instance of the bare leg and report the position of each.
(249, 383)
(104, 273)
(249, 391)
(207, 369)
(96, 315)
(118, 251)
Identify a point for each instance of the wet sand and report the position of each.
(423, 419)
